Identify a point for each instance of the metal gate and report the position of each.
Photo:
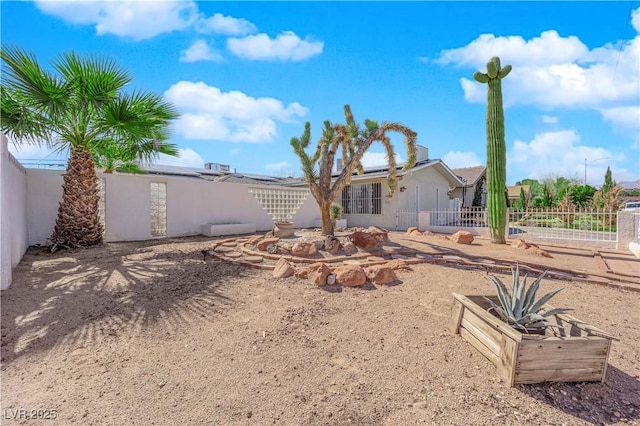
(406, 219)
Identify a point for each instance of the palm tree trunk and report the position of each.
(78, 222)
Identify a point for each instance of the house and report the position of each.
(426, 186)
(473, 192)
(513, 193)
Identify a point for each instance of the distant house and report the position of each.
(473, 192)
(426, 186)
(513, 193)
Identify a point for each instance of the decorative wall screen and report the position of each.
(158, 209)
(362, 198)
(281, 204)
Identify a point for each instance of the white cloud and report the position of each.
(626, 117)
(559, 153)
(136, 19)
(371, 159)
(276, 167)
(556, 71)
(186, 157)
(210, 114)
(225, 25)
(459, 159)
(199, 51)
(548, 119)
(286, 46)
(635, 19)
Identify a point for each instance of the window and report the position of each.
(158, 209)
(362, 198)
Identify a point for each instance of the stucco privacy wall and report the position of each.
(13, 213)
(191, 202)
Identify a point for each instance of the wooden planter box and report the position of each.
(576, 352)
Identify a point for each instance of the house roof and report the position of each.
(470, 175)
(382, 171)
(513, 192)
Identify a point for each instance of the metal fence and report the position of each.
(574, 224)
(466, 217)
(406, 219)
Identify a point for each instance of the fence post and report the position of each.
(424, 220)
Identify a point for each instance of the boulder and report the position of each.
(428, 233)
(381, 274)
(411, 229)
(302, 273)
(348, 247)
(537, 251)
(318, 273)
(519, 243)
(331, 244)
(350, 275)
(283, 269)
(364, 240)
(262, 244)
(399, 264)
(378, 233)
(462, 237)
(303, 249)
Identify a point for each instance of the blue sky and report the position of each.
(247, 75)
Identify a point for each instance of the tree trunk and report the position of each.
(78, 222)
(327, 223)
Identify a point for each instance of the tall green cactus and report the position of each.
(496, 149)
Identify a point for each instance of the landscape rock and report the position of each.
(253, 259)
(350, 275)
(262, 244)
(411, 229)
(331, 244)
(283, 269)
(348, 247)
(364, 240)
(519, 243)
(303, 249)
(302, 272)
(537, 251)
(381, 274)
(318, 273)
(428, 233)
(462, 237)
(380, 234)
(399, 264)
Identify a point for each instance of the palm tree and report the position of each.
(76, 108)
(111, 156)
(353, 142)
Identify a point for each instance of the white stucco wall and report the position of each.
(191, 202)
(13, 213)
(426, 189)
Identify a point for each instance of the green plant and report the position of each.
(519, 308)
(353, 141)
(335, 211)
(496, 149)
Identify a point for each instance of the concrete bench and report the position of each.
(215, 229)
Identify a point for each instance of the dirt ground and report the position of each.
(150, 333)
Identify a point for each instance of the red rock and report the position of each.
(253, 259)
(399, 264)
(537, 251)
(350, 275)
(303, 249)
(381, 274)
(302, 273)
(411, 229)
(262, 244)
(462, 237)
(283, 269)
(378, 233)
(427, 233)
(318, 273)
(519, 243)
(363, 240)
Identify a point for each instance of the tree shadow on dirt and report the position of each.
(617, 400)
(84, 297)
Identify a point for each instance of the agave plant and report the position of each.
(520, 309)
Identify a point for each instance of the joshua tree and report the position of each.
(496, 148)
(78, 107)
(354, 142)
